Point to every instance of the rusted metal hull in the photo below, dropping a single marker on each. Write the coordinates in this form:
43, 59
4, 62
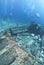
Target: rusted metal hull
13, 53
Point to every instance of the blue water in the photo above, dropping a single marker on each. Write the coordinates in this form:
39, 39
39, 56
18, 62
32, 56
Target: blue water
22, 11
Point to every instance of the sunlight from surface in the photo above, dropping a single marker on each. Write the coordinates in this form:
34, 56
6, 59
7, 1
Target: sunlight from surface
26, 10
42, 3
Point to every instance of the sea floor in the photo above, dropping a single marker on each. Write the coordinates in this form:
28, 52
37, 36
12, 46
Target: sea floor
18, 46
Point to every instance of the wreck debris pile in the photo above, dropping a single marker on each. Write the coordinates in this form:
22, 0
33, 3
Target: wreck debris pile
22, 45
36, 29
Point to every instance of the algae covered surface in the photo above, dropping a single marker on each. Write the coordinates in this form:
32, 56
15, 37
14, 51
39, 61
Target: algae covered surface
21, 32
21, 44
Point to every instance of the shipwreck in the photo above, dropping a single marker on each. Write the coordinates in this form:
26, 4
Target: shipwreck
23, 45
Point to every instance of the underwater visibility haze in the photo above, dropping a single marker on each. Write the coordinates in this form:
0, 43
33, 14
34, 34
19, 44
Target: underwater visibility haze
23, 11
21, 32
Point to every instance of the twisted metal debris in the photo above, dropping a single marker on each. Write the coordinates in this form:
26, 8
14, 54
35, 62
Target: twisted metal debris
13, 53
